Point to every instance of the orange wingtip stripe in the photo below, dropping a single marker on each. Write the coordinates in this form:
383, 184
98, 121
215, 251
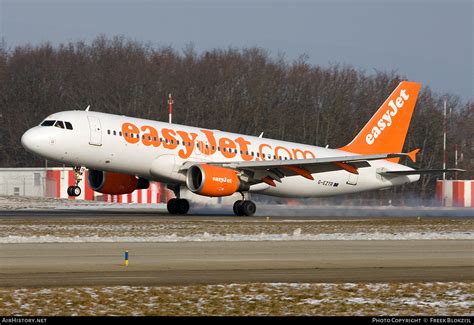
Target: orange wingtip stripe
300, 171
351, 169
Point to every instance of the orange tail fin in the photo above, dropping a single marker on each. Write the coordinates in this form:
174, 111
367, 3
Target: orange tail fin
387, 129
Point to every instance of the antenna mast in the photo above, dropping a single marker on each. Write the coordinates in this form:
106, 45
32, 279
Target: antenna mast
444, 139
170, 114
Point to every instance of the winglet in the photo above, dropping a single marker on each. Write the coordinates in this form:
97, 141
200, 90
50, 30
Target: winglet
412, 154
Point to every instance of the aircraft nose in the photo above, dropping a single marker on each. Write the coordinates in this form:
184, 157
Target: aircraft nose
29, 140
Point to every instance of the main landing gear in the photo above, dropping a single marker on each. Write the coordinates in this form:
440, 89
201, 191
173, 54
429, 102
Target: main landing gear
244, 207
75, 190
177, 205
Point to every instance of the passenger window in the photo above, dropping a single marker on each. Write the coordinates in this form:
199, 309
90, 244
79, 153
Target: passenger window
68, 125
48, 123
120, 133
108, 131
115, 133
59, 124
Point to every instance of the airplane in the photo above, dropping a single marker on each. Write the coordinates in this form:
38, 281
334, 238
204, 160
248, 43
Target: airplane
125, 153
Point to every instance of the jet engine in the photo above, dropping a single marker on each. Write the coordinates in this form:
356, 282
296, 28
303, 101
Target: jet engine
115, 183
213, 181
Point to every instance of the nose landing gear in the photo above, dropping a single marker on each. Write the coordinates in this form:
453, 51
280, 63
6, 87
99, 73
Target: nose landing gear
75, 190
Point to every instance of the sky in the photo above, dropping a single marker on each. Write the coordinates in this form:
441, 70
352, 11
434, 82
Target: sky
428, 41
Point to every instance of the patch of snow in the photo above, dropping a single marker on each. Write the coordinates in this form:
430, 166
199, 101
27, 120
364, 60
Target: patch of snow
312, 301
363, 301
206, 237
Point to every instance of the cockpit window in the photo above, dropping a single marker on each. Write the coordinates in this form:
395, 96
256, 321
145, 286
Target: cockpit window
48, 123
59, 124
68, 125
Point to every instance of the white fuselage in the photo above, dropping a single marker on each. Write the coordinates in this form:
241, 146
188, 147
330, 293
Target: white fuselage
99, 141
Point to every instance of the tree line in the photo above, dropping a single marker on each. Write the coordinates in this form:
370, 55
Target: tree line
246, 90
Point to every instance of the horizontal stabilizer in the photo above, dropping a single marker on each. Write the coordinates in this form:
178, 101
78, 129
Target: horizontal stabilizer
421, 171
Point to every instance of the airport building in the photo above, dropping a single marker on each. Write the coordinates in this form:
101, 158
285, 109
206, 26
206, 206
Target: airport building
22, 181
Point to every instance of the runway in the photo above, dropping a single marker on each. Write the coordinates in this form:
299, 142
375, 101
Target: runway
79, 264
199, 212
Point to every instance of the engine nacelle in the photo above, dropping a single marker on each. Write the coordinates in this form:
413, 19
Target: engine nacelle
115, 183
213, 181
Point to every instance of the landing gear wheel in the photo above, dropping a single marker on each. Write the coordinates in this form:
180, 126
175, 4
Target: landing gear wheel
183, 206
237, 208
248, 208
172, 206
74, 191
244, 208
178, 206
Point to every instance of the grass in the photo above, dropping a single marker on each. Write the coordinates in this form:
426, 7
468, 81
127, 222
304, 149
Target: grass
452, 298
152, 227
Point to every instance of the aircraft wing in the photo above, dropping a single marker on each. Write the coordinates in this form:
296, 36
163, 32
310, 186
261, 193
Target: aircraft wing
268, 171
